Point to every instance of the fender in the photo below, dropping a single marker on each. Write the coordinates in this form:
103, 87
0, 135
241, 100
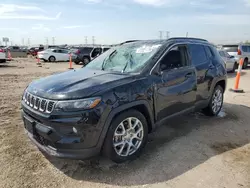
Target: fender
119, 109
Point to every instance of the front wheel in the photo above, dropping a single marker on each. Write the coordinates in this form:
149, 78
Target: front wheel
216, 102
126, 136
85, 61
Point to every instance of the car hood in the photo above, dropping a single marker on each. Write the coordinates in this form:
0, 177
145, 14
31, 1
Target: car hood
76, 84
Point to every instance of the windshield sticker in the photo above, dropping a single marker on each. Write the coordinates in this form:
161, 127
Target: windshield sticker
147, 49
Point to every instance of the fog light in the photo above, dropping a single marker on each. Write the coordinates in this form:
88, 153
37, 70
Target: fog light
74, 130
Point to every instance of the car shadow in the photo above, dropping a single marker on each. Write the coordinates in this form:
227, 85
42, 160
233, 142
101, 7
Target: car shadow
7, 66
233, 75
176, 147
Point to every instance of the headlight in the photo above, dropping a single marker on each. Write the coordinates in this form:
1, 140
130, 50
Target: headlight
76, 105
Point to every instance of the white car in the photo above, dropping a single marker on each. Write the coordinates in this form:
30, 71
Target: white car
231, 62
2, 56
53, 55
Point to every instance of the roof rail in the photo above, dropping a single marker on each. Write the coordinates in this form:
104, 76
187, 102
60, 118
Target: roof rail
176, 38
128, 41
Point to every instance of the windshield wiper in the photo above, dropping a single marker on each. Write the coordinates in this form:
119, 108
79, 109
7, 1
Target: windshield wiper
129, 61
103, 63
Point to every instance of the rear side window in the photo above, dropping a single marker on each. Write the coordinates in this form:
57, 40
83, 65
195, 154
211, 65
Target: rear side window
198, 54
244, 48
230, 48
208, 51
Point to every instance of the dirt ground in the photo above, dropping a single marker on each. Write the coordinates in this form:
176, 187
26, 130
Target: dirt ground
193, 151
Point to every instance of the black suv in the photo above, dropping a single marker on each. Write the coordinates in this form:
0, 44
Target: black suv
86, 54
110, 106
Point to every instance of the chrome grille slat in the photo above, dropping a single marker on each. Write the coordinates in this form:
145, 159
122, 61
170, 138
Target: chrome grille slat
38, 103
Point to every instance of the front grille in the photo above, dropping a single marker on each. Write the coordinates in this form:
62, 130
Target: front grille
38, 103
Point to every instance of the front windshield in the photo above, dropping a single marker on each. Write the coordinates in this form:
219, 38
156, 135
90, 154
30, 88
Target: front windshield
130, 57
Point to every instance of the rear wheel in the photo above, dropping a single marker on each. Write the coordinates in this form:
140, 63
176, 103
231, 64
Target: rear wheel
85, 61
216, 102
234, 68
52, 59
126, 136
245, 64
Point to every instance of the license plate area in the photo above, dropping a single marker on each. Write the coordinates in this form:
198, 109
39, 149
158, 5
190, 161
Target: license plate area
29, 125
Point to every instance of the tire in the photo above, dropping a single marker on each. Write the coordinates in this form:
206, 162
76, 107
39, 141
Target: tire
211, 110
52, 59
77, 62
127, 152
234, 68
245, 64
85, 61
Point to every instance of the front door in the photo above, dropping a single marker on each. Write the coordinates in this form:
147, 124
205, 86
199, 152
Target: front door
176, 92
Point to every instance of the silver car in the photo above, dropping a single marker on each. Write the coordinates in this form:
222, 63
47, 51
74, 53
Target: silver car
231, 62
239, 51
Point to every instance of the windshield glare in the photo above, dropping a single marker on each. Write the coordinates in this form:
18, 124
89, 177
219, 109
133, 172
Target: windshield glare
130, 57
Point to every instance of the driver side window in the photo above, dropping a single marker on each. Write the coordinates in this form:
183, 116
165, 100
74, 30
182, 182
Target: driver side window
175, 58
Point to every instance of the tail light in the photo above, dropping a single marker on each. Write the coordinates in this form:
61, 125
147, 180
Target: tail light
239, 52
1, 50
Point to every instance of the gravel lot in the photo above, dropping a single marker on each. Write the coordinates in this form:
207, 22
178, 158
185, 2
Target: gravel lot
193, 151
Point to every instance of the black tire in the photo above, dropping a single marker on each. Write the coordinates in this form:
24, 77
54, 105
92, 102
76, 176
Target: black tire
245, 64
235, 67
85, 61
209, 109
108, 149
77, 62
52, 59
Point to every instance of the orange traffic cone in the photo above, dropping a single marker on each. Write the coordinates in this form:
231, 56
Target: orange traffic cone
70, 61
9, 55
237, 81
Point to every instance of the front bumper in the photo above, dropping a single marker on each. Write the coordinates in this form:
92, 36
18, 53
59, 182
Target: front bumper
54, 134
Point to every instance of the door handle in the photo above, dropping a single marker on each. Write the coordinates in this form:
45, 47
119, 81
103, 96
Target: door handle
188, 75
211, 66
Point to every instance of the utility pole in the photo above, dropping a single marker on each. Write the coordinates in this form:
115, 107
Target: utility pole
187, 34
46, 41
28, 41
86, 40
160, 35
93, 40
167, 34
23, 41
53, 40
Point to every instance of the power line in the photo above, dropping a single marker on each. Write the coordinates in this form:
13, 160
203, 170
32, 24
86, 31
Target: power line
93, 40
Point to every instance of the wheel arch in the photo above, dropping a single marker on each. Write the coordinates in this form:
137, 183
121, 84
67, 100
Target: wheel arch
141, 106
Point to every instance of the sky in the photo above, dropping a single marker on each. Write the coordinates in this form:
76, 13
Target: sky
113, 21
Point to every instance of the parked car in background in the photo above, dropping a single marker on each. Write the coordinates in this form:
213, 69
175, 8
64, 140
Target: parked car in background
239, 51
34, 50
231, 62
111, 105
87, 54
2, 56
53, 55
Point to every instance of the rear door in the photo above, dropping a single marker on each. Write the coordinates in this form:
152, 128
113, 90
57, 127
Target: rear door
201, 59
176, 92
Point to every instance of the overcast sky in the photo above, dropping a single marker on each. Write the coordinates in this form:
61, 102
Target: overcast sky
112, 21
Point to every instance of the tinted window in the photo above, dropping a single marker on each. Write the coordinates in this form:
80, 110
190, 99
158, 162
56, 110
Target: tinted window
198, 54
208, 51
244, 48
230, 48
105, 49
86, 50
248, 49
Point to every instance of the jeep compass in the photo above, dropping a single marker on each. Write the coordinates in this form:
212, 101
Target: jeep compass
111, 105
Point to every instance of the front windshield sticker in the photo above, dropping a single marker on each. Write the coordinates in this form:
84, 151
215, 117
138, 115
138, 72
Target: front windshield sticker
147, 49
